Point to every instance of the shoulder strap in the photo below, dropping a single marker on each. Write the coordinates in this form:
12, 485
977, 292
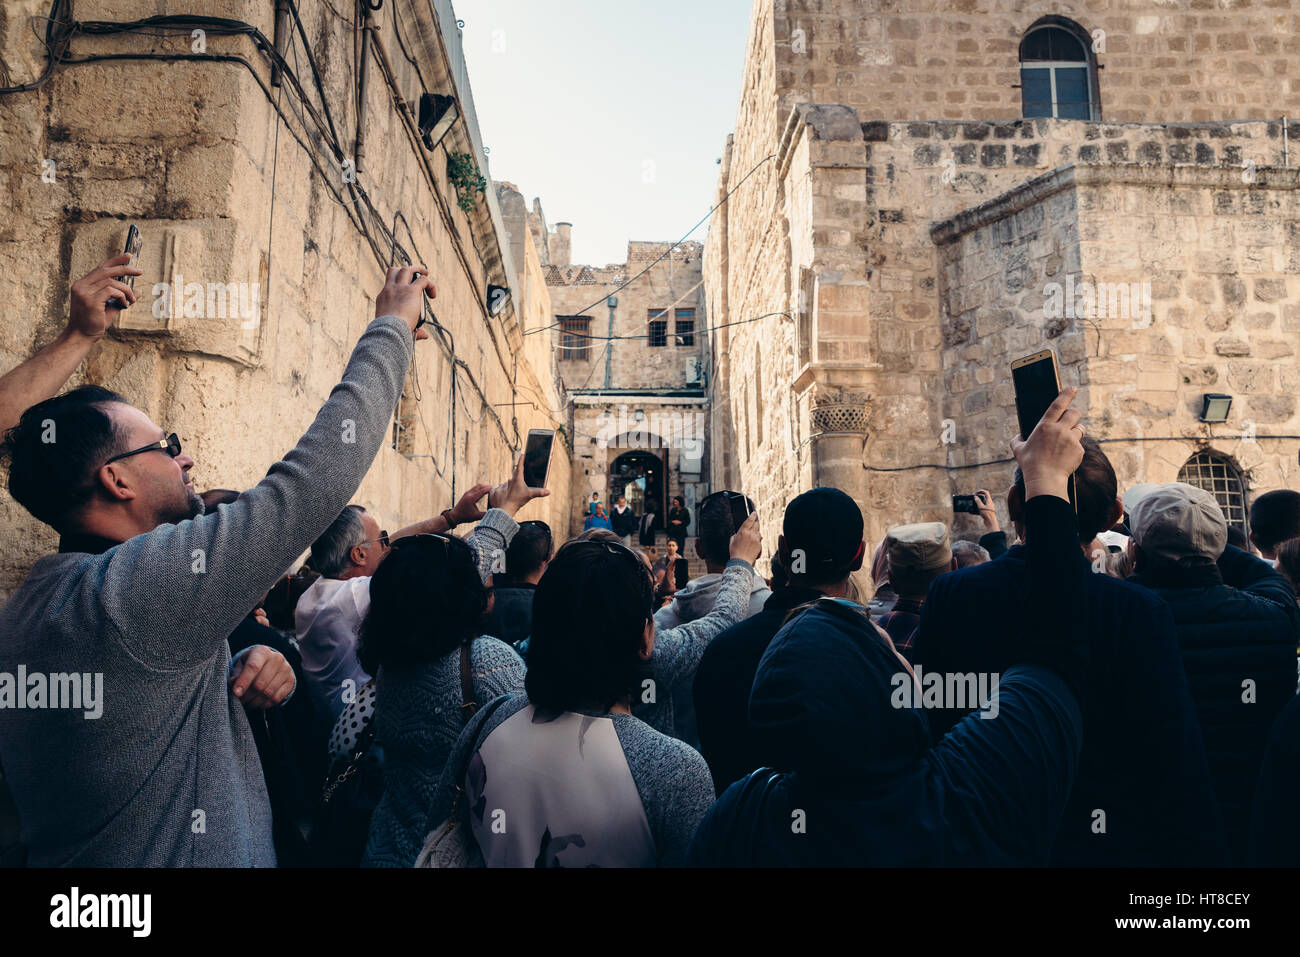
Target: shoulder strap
468, 704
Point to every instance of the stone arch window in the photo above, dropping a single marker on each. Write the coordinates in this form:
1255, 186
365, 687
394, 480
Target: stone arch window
1058, 71
1220, 477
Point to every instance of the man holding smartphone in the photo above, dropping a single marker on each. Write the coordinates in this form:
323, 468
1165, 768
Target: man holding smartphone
168, 774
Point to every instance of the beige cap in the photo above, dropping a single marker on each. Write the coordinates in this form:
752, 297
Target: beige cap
920, 547
1177, 521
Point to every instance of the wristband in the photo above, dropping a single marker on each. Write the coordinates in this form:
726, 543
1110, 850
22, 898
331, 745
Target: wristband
446, 517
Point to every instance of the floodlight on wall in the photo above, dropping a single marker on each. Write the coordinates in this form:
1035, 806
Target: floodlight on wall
497, 297
1215, 407
437, 114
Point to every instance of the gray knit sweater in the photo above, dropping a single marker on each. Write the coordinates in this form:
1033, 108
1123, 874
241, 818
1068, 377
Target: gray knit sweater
418, 718
677, 651
671, 778
169, 775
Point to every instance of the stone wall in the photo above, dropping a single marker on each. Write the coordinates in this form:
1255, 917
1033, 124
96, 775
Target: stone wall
188, 150
959, 59
671, 283
1221, 270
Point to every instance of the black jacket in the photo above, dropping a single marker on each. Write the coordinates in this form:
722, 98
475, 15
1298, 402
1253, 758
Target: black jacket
1275, 826
623, 523
511, 619
1238, 627
865, 785
1143, 763
723, 683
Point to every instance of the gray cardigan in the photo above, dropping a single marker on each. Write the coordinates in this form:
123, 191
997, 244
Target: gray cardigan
673, 781
417, 719
169, 775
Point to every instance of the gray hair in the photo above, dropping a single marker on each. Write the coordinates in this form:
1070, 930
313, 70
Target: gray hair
330, 552
968, 553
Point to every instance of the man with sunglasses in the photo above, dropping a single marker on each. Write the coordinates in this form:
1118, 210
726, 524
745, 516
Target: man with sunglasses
144, 591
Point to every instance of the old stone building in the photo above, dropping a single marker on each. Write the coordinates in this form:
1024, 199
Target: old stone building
286, 187
630, 347
918, 193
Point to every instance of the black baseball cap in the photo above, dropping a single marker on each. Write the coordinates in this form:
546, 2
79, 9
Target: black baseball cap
826, 525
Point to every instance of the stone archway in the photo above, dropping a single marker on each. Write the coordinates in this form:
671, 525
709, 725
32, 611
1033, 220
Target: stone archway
642, 476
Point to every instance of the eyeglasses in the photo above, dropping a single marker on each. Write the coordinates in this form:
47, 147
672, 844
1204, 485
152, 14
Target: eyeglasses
382, 539
171, 445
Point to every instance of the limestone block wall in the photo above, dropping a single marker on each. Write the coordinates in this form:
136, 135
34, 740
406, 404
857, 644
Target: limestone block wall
959, 59
195, 171
855, 262
1216, 255
675, 282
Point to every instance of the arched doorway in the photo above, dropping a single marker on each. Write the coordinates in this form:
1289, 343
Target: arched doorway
640, 477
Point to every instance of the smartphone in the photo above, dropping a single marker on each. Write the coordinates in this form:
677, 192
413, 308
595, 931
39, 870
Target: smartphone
965, 503
740, 510
133, 243
537, 457
1037, 382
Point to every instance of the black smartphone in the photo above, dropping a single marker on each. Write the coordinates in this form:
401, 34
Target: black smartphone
965, 503
537, 457
740, 510
133, 248
1037, 382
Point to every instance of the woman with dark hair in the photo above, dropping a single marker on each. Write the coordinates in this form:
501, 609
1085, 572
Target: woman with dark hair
679, 519
432, 673
565, 776
1288, 562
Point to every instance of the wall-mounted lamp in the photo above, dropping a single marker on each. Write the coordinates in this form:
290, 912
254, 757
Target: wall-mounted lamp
437, 114
497, 297
1215, 407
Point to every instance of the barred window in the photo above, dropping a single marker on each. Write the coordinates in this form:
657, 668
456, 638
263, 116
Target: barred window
575, 342
1220, 478
685, 330
658, 332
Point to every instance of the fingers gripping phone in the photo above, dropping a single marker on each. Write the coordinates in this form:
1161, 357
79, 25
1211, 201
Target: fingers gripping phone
1037, 382
537, 457
133, 243
740, 510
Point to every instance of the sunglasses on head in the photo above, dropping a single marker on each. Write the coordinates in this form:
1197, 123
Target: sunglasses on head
407, 540
171, 445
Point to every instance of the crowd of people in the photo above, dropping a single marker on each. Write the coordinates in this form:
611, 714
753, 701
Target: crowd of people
1116, 679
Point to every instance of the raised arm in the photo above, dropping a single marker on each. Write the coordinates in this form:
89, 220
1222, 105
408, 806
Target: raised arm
43, 375
176, 592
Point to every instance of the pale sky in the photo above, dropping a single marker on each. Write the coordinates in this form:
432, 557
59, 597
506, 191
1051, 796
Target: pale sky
613, 112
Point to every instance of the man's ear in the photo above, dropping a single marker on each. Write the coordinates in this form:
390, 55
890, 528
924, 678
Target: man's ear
357, 554
647, 641
699, 550
114, 482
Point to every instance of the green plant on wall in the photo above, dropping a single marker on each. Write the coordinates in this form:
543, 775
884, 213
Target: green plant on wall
465, 176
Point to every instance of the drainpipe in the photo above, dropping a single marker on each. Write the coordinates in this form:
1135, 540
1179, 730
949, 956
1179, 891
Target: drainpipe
612, 302
281, 37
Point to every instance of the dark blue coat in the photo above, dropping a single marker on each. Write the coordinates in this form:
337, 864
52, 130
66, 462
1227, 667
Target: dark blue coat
1143, 763
1237, 626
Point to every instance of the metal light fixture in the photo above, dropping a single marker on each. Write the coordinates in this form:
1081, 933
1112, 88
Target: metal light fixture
437, 114
1215, 407
497, 297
